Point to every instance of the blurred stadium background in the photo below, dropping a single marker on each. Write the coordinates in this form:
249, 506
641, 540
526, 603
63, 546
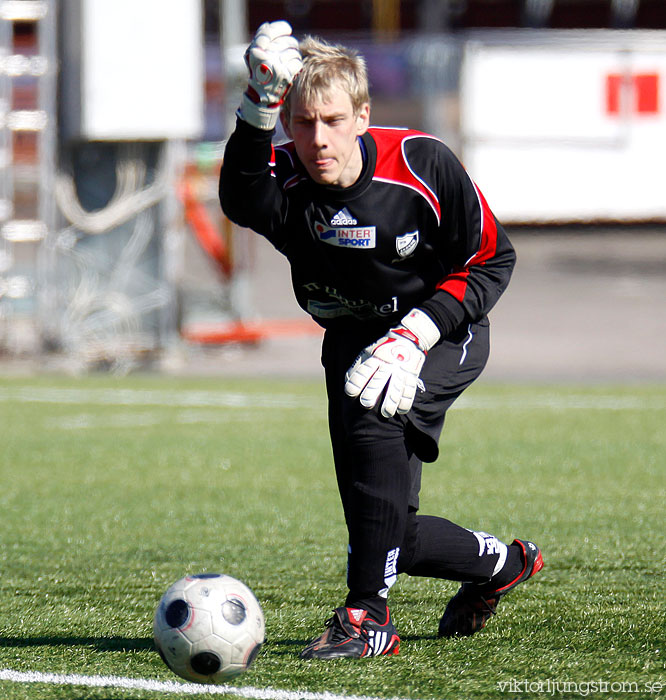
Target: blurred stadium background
114, 254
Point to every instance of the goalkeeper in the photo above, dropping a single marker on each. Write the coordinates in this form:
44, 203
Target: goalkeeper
395, 252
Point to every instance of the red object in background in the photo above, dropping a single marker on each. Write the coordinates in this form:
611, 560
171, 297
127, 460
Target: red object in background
204, 228
640, 90
249, 332
646, 89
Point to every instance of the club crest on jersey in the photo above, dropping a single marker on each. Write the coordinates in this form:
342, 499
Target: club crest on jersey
347, 236
406, 244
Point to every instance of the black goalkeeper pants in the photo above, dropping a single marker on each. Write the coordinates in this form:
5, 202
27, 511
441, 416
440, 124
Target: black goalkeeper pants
378, 465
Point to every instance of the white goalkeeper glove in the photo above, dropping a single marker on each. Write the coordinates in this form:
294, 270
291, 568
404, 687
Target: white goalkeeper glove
273, 60
394, 362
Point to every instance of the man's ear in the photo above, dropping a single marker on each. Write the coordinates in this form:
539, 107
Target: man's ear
363, 119
285, 124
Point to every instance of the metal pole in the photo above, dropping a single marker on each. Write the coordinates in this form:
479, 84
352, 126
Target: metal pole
386, 18
233, 34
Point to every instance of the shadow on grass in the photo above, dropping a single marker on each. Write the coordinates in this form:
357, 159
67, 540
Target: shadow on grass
99, 643
289, 647
278, 647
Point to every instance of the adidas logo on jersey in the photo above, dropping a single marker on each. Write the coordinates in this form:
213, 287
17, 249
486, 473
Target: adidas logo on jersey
343, 218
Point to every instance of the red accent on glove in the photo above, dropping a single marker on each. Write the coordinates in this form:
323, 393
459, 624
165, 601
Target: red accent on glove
406, 333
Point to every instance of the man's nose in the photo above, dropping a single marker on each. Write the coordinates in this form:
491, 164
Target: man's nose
319, 133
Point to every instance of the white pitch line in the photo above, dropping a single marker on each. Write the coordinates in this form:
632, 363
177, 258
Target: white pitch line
85, 421
151, 397
226, 399
118, 682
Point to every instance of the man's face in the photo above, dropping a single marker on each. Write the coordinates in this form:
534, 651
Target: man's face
325, 136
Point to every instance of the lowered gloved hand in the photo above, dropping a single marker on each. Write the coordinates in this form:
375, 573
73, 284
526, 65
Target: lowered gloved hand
273, 60
393, 363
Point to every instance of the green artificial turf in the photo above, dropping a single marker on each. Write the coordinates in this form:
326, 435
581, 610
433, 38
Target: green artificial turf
113, 488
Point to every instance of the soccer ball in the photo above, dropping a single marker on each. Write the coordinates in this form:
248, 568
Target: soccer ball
208, 628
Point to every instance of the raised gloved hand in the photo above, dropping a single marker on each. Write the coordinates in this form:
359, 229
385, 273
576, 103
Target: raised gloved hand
393, 363
273, 60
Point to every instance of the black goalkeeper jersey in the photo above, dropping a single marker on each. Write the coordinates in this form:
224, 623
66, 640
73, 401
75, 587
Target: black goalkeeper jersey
413, 231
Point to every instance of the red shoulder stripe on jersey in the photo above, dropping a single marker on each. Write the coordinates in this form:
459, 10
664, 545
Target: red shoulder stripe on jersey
456, 283
393, 166
488, 244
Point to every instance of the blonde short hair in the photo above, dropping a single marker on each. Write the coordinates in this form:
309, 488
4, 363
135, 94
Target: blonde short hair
326, 66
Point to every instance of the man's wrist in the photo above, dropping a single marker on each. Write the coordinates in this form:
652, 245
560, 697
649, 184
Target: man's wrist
422, 327
258, 115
